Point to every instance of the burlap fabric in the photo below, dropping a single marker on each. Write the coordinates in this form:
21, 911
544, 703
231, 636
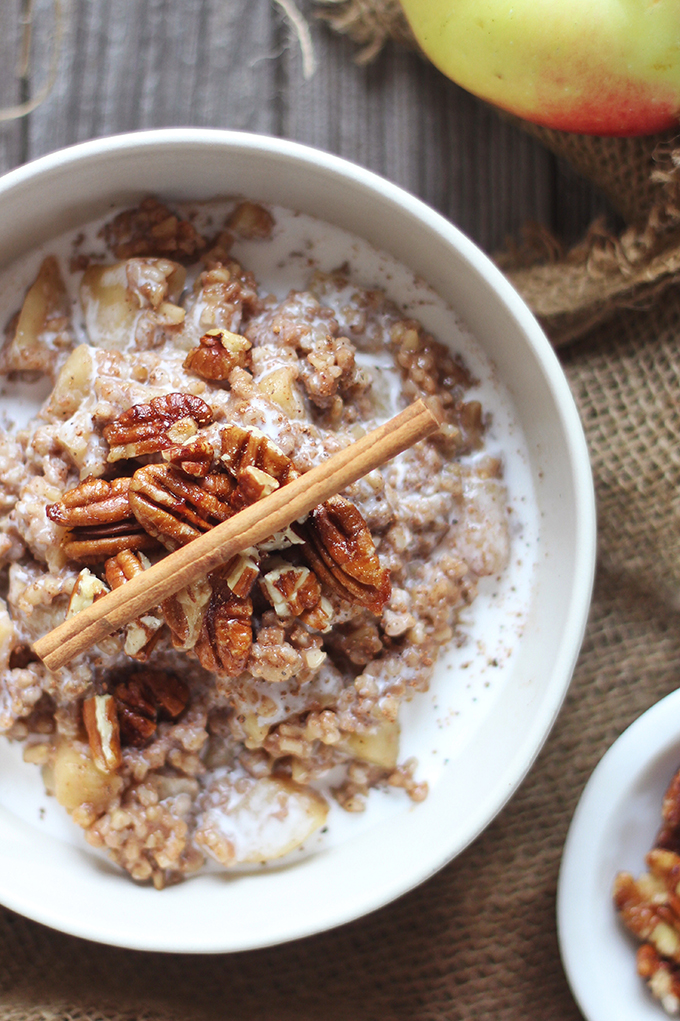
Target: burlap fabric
478, 940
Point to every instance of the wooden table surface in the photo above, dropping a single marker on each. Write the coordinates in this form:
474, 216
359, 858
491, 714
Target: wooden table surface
125, 65
130, 64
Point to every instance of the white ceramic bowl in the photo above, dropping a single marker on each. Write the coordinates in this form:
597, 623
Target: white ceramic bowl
614, 826
57, 880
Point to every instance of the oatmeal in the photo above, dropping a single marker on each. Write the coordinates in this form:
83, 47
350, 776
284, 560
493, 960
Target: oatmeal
221, 725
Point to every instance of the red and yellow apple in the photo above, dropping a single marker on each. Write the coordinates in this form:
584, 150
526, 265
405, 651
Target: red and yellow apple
605, 67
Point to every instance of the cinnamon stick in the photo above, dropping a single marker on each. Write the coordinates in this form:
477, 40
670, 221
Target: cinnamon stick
252, 525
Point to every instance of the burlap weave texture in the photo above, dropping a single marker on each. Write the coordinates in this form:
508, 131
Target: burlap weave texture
478, 940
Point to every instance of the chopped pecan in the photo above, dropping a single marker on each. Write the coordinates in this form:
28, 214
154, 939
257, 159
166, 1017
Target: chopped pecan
152, 229
194, 458
87, 589
340, 551
291, 590
251, 220
218, 352
144, 698
243, 448
142, 634
253, 485
661, 975
175, 509
226, 634
320, 616
184, 613
150, 428
101, 723
241, 572
137, 713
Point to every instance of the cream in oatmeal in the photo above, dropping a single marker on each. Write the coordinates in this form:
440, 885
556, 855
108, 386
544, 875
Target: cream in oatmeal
182, 388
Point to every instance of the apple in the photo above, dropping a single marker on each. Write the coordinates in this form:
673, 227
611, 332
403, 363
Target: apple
601, 67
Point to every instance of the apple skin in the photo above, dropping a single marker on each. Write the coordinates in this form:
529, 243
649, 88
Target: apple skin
600, 67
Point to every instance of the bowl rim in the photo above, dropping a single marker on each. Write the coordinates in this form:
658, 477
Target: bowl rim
597, 951
574, 439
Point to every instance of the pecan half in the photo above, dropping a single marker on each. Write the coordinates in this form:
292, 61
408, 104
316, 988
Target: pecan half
340, 550
100, 521
137, 713
226, 634
150, 428
145, 697
142, 634
92, 502
101, 723
97, 544
218, 352
175, 509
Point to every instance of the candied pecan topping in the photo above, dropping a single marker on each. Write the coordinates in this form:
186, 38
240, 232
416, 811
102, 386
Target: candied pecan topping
218, 352
152, 229
92, 502
175, 509
244, 448
240, 573
650, 906
97, 544
291, 590
87, 589
668, 836
340, 550
226, 634
100, 521
184, 613
143, 699
662, 977
253, 485
194, 458
150, 428
142, 634
101, 723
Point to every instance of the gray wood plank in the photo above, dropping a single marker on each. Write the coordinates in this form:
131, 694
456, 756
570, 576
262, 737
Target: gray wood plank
130, 64
152, 63
12, 88
403, 119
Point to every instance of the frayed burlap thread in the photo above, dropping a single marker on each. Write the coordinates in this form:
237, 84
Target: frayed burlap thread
368, 23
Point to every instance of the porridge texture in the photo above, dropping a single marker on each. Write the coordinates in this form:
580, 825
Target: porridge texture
221, 724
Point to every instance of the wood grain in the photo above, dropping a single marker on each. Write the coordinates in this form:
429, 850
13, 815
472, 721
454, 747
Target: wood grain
131, 64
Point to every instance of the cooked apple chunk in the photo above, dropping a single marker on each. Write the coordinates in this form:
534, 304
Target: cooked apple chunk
125, 302
249, 821
43, 327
